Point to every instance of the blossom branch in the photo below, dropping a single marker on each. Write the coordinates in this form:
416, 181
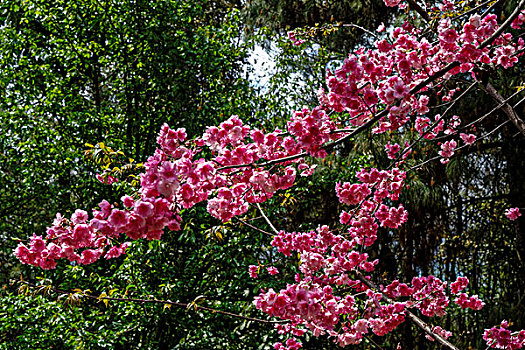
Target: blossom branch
504, 26
419, 322
481, 46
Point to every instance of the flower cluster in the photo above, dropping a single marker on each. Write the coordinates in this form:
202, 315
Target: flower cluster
519, 21
501, 338
439, 331
311, 130
469, 139
106, 178
460, 284
513, 213
176, 178
295, 41
473, 302
376, 186
326, 263
84, 241
447, 151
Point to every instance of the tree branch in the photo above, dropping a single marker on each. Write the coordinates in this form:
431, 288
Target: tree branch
253, 227
384, 112
413, 4
154, 301
509, 111
266, 219
419, 322
425, 327
504, 26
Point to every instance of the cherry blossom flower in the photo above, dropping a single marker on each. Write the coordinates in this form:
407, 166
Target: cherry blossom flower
513, 213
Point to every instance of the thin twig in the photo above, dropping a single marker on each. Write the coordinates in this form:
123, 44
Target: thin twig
253, 227
358, 27
373, 342
466, 13
266, 219
407, 149
156, 301
459, 148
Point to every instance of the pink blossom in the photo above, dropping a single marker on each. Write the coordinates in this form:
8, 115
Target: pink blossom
391, 150
79, 217
518, 21
502, 338
89, 256
116, 251
105, 208
23, 254
513, 213
448, 36
447, 150
460, 284
118, 218
468, 139
106, 178
144, 209
254, 271
82, 235
472, 302
272, 270
352, 194
37, 244
128, 201
383, 46
392, 3
439, 331
295, 41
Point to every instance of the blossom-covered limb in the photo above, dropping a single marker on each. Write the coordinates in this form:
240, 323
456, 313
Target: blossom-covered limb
417, 321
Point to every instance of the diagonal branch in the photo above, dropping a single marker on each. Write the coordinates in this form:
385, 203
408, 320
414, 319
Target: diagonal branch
414, 5
254, 227
509, 111
504, 26
267, 220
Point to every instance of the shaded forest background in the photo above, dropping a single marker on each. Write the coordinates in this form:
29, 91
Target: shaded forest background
77, 72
